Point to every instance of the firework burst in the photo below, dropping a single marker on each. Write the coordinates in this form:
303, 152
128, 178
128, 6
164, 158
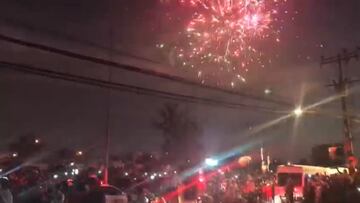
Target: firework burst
222, 37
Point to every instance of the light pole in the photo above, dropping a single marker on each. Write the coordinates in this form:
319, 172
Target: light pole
108, 110
107, 135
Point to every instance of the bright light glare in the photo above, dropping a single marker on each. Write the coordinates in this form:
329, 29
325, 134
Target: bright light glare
298, 111
211, 162
267, 91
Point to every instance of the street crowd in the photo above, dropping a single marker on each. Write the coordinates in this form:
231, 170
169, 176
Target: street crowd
143, 184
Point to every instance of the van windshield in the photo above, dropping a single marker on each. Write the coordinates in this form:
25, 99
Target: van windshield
283, 178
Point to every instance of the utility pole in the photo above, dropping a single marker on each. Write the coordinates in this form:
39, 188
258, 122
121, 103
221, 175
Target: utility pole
107, 133
341, 86
109, 96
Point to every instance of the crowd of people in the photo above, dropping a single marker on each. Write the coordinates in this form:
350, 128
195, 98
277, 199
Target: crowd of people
146, 179
241, 186
37, 186
332, 189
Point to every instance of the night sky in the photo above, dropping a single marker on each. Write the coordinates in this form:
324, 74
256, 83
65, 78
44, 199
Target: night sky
68, 114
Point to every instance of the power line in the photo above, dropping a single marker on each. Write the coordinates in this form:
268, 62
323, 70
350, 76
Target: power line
122, 87
71, 38
67, 37
133, 68
129, 88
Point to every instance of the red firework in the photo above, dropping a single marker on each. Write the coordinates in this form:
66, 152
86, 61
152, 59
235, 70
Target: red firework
224, 34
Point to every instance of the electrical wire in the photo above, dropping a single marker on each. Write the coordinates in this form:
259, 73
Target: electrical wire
130, 88
133, 69
81, 41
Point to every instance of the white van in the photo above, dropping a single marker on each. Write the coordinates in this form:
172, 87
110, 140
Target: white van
298, 175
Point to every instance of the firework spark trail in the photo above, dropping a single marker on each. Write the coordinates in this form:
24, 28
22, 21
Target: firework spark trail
225, 33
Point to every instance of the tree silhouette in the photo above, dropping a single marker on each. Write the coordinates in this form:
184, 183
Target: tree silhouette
180, 133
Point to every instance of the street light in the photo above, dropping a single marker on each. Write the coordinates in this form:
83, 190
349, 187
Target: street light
211, 162
267, 91
37, 141
79, 153
298, 111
